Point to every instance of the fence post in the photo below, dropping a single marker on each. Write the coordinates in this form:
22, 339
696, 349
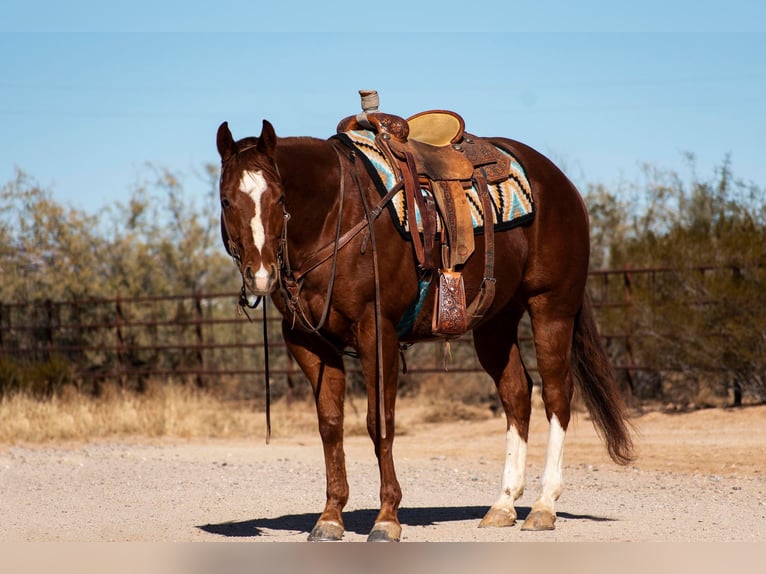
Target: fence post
198, 331
628, 297
118, 321
48, 328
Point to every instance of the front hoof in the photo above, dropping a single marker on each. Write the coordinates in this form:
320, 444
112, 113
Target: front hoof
540, 520
326, 531
385, 532
498, 517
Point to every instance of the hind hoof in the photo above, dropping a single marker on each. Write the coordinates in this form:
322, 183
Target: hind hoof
539, 520
498, 518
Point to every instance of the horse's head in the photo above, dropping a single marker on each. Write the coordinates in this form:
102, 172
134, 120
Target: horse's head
252, 215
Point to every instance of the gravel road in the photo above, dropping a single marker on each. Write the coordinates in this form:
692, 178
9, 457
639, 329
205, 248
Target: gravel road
700, 477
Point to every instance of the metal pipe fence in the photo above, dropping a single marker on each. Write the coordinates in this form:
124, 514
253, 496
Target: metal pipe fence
201, 337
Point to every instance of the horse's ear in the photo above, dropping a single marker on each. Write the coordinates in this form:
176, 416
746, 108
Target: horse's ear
267, 141
225, 142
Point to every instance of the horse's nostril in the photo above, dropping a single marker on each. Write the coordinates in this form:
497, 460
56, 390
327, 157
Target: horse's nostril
249, 274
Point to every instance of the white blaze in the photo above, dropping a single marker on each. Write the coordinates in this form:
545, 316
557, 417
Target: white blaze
254, 184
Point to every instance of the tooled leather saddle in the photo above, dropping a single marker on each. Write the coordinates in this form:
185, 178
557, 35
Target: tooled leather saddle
431, 151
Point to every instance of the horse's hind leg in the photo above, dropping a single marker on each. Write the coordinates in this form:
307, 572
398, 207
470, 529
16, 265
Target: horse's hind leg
324, 369
497, 347
552, 326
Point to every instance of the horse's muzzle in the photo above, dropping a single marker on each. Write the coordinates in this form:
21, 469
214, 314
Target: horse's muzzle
262, 282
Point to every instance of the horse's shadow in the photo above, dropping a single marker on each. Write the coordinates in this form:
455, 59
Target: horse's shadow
361, 521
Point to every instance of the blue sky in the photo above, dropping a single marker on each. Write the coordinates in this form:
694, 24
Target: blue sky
91, 91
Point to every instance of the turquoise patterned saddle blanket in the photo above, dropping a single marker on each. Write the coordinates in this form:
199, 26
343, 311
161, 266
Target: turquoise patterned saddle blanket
511, 198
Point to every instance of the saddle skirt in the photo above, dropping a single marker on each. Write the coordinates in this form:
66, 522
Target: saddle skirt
511, 197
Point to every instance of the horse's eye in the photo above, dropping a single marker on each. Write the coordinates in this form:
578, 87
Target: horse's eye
225, 203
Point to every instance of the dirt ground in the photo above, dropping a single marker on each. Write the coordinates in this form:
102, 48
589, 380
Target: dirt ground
700, 476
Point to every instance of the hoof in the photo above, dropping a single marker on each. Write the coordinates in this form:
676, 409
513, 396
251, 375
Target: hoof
385, 532
326, 531
498, 517
539, 520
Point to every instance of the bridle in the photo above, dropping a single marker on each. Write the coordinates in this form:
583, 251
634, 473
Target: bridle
244, 302
291, 280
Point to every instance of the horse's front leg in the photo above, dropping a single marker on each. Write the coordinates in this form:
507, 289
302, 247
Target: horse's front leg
324, 368
386, 527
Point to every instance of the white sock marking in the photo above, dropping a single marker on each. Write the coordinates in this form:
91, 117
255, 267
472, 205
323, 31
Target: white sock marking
554, 461
513, 470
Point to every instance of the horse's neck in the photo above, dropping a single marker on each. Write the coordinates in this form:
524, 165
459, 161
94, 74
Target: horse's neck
310, 175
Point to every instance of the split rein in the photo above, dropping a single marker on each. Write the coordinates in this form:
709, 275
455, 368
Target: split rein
244, 305
290, 282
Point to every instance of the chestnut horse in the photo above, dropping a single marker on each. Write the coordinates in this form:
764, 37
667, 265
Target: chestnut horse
286, 203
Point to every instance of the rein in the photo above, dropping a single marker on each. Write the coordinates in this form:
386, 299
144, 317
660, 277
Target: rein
331, 249
378, 319
244, 305
291, 280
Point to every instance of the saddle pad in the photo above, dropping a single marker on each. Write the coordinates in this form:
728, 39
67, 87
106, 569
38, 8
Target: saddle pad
511, 198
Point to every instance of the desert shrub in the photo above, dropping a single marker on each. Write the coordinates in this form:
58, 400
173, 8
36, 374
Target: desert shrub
698, 318
10, 375
40, 379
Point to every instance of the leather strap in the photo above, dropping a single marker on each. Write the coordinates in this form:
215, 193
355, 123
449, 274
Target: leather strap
291, 283
424, 247
411, 191
486, 294
380, 372
324, 253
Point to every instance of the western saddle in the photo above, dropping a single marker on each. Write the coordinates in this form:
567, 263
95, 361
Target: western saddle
431, 151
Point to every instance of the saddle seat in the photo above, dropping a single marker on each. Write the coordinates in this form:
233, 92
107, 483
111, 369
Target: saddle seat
437, 127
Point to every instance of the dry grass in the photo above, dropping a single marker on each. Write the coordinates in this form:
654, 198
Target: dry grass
167, 411
174, 411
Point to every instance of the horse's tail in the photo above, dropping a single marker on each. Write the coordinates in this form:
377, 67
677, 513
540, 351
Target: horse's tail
594, 378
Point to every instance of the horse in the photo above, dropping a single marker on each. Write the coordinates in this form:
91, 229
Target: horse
304, 225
